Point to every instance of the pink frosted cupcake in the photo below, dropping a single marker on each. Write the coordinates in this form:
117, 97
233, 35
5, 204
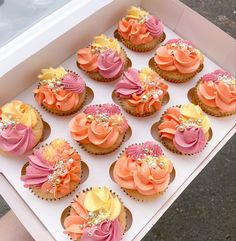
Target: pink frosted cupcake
103, 60
177, 61
139, 30
216, 93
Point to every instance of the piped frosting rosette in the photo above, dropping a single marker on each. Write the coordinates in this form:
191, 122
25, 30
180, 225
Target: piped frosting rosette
178, 60
141, 92
96, 214
103, 59
53, 171
60, 91
216, 93
184, 129
21, 128
99, 129
143, 171
139, 30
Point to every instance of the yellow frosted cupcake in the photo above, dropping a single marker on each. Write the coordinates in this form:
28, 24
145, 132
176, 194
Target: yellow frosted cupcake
139, 30
95, 214
53, 171
21, 128
103, 60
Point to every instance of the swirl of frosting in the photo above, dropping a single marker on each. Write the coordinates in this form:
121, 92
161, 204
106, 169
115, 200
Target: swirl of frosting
73, 82
135, 32
53, 175
190, 141
51, 73
105, 231
23, 114
63, 100
154, 26
17, 139
98, 125
148, 174
136, 13
178, 55
87, 60
129, 84
110, 65
218, 89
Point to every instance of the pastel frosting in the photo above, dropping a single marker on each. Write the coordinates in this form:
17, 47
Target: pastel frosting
21, 128
59, 89
187, 127
143, 168
53, 174
178, 55
100, 125
144, 89
139, 27
218, 90
104, 56
94, 216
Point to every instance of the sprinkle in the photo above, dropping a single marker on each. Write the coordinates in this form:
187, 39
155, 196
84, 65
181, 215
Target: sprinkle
144, 98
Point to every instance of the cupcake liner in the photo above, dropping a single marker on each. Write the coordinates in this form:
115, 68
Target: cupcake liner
123, 218
207, 109
134, 194
169, 143
48, 196
96, 76
173, 76
142, 47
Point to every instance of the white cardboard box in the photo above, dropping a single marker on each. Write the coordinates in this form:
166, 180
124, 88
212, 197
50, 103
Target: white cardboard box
54, 41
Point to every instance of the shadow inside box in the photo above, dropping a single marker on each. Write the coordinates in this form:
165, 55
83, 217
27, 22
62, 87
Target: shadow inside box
4, 208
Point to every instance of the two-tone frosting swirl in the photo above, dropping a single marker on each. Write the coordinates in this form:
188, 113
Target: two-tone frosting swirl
218, 90
95, 216
187, 127
98, 125
21, 128
139, 27
178, 55
143, 168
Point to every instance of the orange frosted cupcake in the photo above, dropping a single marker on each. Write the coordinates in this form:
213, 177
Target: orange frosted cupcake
141, 93
95, 214
177, 61
53, 171
21, 128
99, 129
103, 60
60, 91
184, 129
139, 30
216, 93
143, 171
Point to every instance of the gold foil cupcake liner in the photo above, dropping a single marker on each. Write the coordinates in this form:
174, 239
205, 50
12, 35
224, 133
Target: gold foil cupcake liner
174, 77
125, 217
96, 76
142, 47
134, 194
84, 172
193, 97
169, 143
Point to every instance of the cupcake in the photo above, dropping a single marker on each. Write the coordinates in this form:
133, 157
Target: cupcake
103, 60
100, 129
21, 128
216, 93
139, 30
143, 171
177, 61
60, 91
53, 171
95, 214
141, 93
184, 129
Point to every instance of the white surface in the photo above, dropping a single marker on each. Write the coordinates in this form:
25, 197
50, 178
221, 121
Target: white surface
49, 212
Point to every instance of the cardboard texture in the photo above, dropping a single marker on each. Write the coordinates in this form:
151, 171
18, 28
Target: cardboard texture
177, 17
